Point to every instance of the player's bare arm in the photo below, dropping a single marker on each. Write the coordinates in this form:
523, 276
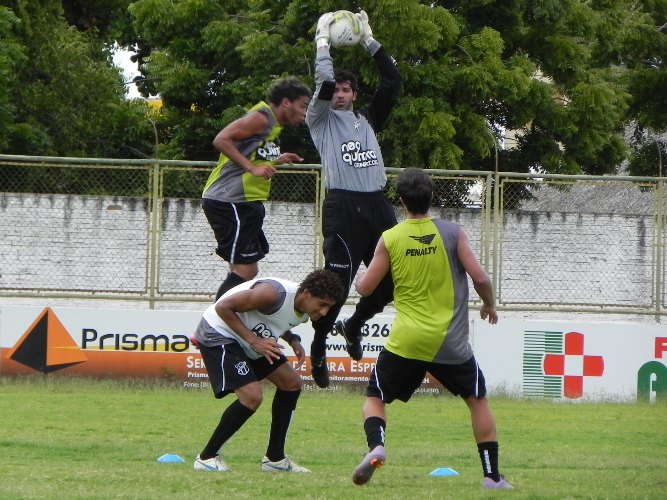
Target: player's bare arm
479, 277
243, 128
261, 296
295, 343
288, 158
378, 268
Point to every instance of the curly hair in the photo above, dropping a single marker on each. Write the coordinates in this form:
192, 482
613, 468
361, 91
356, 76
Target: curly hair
324, 284
290, 87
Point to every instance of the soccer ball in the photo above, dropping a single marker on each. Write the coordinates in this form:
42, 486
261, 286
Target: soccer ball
345, 30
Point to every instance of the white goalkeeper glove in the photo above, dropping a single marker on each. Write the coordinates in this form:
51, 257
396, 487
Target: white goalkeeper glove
322, 32
367, 40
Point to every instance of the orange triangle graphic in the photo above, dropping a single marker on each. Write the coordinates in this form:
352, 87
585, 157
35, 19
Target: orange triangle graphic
60, 348
46, 345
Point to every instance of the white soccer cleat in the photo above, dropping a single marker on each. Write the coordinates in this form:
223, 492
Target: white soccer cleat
211, 464
284, 465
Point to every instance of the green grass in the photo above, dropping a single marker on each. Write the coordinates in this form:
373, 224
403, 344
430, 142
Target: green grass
79, 438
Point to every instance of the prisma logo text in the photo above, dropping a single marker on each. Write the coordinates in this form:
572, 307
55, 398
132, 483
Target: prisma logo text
90, 339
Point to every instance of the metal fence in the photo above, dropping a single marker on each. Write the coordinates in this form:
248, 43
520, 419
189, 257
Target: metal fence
134, 230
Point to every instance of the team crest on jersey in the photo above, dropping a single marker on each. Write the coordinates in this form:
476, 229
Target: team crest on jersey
425, 240
242, 368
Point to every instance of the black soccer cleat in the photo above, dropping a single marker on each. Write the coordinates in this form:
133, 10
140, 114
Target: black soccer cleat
352, 342
319, 371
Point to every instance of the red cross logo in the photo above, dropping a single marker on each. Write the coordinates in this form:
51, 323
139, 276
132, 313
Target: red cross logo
573, 365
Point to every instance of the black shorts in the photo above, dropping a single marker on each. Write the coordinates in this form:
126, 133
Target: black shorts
396, 377
238, 230
352, 224
229, 368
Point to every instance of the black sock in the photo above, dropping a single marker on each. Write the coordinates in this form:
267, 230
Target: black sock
488, 453
318, 347
230, 282
373, 304
353, 327
374, 427
231, 421
284, 404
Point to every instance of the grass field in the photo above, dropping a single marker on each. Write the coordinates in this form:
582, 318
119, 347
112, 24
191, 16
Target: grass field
76, 438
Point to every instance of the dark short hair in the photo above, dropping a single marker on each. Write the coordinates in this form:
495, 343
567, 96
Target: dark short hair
324, 284
415, 187
343, 75
290, 87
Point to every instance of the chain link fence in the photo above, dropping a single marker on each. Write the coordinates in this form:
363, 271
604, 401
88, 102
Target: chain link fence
134, 230
186, 261
580, 241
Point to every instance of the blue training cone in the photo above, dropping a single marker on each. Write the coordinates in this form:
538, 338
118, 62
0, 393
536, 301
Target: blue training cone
170, 458
444, 471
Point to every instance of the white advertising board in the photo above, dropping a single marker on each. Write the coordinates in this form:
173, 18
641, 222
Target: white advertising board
572, 360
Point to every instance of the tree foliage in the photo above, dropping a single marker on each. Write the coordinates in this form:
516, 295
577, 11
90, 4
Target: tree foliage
562, 78
11, 55
60, 93
567, 75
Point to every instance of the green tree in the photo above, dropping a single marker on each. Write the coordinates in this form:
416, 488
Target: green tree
67, 98
11, 54
567, 75
647, 83
107, 18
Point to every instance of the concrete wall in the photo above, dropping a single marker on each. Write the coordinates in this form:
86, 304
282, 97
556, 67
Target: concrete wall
576, 258
60, 242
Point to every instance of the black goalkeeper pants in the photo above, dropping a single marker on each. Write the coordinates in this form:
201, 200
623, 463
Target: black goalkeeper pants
352, 224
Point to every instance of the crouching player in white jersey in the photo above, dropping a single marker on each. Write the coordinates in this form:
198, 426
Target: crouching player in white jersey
238, 339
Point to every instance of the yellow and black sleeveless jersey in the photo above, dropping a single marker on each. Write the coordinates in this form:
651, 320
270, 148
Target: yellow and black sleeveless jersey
430, 292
